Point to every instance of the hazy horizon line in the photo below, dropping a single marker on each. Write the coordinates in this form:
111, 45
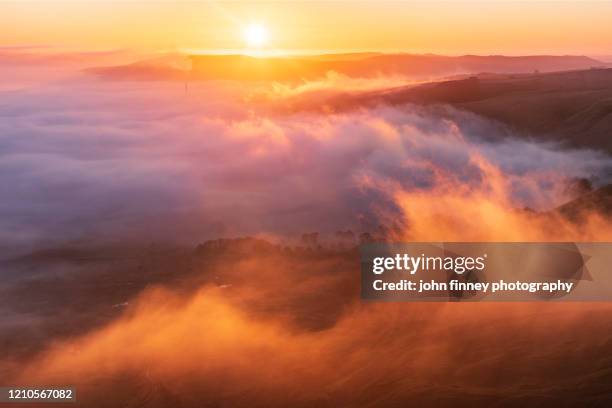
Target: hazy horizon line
57, 49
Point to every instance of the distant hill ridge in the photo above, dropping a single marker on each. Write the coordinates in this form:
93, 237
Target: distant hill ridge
295, 68
279, 68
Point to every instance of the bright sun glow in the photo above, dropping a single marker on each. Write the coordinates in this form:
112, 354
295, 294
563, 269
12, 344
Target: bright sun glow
255, 35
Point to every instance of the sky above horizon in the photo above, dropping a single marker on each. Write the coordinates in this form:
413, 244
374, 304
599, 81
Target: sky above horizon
451, 27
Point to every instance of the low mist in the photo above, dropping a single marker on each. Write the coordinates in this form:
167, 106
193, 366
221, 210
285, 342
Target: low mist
85, 159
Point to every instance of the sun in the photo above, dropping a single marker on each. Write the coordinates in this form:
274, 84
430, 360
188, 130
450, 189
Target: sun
255, 35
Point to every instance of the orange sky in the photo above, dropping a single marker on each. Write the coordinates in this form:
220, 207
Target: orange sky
451, 27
